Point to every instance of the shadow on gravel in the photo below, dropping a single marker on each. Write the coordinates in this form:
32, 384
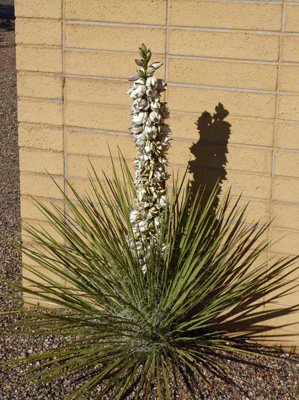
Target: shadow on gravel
7, 17
9, 162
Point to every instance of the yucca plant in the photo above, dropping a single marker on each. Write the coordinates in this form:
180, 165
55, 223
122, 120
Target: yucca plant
136, 321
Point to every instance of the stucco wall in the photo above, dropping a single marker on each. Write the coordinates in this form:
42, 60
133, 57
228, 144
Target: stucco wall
73, 61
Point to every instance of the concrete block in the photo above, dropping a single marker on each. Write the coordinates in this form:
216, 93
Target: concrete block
97, 116
40, 185
146, 12
40, 111
38, 8
234, 45
261, 105
223, 74
45, 86
39, 59
40, 137
103, 91
226, 15
114, 38
39, 32
96, 144
110, 65
41, 161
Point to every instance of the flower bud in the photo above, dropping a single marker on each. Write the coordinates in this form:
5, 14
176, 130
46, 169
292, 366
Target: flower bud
150, 70
156, 65
142, 50
134, 77
139, 62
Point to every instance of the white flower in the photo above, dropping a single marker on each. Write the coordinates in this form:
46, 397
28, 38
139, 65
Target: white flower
130, 91
148, 149
133, 216
141, 140
151, 92
163, 201
152, 82
141, 194
138, 92
142, 226
139, 104
155, 104
139, 81
155, 116
140, 118
157, 222
136, 129
151, 130
144, 268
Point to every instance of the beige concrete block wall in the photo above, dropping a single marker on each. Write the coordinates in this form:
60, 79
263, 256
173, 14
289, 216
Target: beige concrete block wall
73, 61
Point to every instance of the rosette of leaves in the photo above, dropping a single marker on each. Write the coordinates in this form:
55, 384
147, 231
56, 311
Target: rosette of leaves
152, 143
131, 332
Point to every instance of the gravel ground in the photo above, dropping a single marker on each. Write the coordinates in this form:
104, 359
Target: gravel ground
263, 380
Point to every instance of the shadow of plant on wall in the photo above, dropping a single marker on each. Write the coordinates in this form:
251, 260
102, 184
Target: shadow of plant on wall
208, 166
209, 171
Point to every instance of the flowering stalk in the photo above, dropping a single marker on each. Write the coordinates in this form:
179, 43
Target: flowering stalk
148, 115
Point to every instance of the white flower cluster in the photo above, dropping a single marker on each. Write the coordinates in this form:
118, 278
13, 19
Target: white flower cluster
148, 115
